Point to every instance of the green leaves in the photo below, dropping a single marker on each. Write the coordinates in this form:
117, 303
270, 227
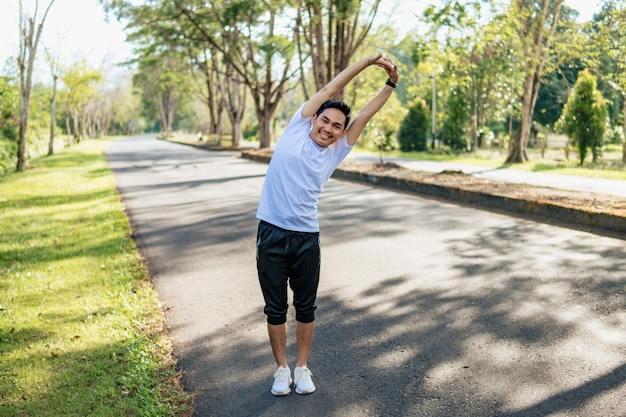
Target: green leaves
584, 117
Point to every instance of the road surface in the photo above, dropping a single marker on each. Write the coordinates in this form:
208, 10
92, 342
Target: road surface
425, 308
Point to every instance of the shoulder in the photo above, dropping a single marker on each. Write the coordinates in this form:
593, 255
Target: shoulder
299, 114
298, 121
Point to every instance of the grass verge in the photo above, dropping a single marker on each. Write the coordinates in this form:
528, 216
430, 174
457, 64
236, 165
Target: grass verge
81, 331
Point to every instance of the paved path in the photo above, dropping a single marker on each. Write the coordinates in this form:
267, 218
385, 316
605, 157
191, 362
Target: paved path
425, 308
565, 182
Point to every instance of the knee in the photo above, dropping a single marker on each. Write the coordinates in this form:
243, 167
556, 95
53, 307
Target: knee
275, 317
306, 315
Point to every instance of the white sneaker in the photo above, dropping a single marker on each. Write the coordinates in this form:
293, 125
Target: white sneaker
302, 380
282, 381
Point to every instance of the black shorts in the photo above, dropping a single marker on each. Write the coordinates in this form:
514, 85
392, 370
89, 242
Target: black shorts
286, 257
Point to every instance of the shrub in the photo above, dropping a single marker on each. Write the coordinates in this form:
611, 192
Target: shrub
584, 117
9, 102
415, 127
454, 129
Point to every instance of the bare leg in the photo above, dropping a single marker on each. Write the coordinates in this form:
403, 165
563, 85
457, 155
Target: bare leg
304, 337
278, 340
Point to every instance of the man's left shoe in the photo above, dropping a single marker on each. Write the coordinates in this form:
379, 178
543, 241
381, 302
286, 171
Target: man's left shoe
302, 380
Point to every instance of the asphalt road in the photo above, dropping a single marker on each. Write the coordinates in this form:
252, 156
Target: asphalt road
425, 308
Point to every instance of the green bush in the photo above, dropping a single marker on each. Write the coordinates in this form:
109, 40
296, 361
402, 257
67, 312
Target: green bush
454, 129
584, 117
9, 102
415, 127
250, 132
8, 152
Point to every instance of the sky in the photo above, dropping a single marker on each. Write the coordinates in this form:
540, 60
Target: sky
80, 29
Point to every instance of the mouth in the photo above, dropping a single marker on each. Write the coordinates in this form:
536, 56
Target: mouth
325, 136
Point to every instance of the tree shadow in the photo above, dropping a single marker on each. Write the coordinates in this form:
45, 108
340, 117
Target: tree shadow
496, 331
425, 308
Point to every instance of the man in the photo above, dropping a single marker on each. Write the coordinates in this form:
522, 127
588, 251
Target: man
316, 140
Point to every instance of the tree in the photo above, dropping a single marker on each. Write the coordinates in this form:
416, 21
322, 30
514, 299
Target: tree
162, 77
30, 33
415, 128
570, 54
553, 93
454, 128
236, 43
224, 90
255, 48
55, 72
333, 30
608, 31
536, 23
118, 106
476, 55
161, 28
80, 83
584, 117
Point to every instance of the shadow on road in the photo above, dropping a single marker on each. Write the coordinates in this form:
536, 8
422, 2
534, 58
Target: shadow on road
424, 308
503, 328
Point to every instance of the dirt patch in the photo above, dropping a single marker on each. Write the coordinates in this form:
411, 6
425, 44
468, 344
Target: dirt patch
596, 202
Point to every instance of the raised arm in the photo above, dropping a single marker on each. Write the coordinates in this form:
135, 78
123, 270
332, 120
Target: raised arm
336, 84
371, 108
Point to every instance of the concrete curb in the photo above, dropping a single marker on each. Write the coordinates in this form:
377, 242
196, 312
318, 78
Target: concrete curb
591, 221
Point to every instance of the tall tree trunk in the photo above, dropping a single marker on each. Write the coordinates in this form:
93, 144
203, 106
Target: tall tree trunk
68, 128
264, 131
624, 129
171, 112
474, 110
53, 115
517, 152
77, 129
265, 111
212, 86
29, 39
165, 113
236, 132
536, 31
22, 163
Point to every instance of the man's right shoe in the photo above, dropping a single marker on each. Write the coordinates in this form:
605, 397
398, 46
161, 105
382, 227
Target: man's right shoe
282, 381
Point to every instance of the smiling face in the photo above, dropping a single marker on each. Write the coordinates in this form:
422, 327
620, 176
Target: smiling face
328, 127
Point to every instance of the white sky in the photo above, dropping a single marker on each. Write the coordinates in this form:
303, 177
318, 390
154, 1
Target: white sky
79, 28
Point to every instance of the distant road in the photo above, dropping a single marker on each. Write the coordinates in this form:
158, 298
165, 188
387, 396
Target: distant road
425, 308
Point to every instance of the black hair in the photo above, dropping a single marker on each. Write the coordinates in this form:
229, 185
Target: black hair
336, 104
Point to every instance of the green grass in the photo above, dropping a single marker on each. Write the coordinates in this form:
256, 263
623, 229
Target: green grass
81, 331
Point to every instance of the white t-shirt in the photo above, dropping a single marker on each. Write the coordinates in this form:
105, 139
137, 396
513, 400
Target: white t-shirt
298, 170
